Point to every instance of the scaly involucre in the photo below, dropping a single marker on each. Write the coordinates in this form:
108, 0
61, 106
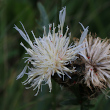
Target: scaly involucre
96, 56
49, 55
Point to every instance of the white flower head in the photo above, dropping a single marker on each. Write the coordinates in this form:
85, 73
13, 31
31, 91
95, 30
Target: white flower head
49, 55
96, 56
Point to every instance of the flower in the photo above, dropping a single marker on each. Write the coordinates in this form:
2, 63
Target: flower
49, 55
96, 57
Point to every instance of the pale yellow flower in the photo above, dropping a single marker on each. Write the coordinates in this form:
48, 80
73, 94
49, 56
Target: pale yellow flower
50, 54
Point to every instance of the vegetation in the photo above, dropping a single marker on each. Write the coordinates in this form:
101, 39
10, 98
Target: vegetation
34, 14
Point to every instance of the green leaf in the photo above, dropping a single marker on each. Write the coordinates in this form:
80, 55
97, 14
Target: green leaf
44, 16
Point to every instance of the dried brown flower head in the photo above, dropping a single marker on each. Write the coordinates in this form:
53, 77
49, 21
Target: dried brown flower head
96, 57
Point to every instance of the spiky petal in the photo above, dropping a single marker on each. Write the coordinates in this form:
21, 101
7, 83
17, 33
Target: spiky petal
49, 55
96, 56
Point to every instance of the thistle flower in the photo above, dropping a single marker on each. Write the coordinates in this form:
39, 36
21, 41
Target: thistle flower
96, 57
49, 55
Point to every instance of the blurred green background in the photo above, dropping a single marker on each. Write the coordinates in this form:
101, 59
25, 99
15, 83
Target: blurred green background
34, 14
